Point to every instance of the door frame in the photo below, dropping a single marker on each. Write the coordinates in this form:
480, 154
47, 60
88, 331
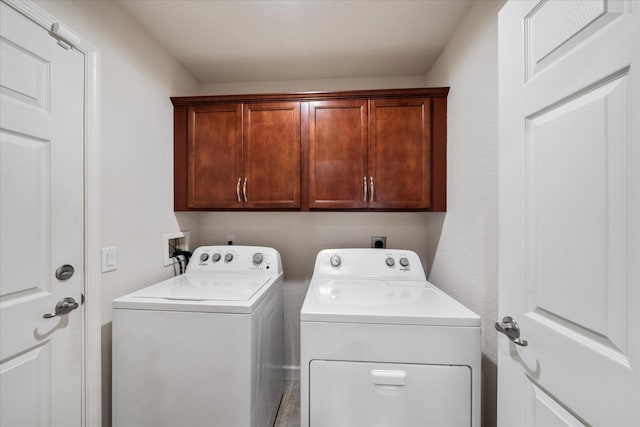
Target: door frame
92, 342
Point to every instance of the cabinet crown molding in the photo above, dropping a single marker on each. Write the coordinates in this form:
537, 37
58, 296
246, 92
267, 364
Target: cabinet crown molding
432, 92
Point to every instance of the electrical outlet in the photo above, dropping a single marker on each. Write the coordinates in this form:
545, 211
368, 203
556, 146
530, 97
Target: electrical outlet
379, 242
173, 241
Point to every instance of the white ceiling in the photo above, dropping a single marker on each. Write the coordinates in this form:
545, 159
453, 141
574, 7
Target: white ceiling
260, 40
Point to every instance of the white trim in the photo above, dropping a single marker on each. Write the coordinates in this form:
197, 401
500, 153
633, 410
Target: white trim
92, 357
291, 372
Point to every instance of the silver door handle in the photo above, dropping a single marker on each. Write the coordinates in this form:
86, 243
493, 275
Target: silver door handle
372, 189
365, 188
238, 189
244, 189
510, 328
64, 306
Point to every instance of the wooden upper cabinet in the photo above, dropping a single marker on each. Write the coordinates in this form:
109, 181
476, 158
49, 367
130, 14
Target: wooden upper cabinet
375, 149
337, 154
214, 149
243, 156
271, 148
400, 153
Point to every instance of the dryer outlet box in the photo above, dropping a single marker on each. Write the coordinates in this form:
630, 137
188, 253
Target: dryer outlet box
379, 242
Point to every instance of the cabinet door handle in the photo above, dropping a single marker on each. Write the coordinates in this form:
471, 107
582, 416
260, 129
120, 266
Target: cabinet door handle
365, 188
238, 189
372, 189
244, 189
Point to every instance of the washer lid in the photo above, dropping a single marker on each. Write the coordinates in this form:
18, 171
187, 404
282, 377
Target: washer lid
373, 301
195, 292
205, 288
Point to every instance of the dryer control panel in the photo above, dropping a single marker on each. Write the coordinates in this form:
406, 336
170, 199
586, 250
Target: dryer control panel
225, 259
380, 264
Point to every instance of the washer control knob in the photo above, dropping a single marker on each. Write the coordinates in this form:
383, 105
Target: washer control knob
228, 257
215, 257
335, 261
257, 258
404, 262
204, 257
390, 262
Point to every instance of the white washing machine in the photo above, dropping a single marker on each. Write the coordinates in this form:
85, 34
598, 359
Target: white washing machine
381, 346
203, 348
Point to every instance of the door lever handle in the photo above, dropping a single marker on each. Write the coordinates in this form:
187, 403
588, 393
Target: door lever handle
510, 328
64, 306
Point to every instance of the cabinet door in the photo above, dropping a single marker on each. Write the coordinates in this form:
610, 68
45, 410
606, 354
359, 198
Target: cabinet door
271, 148
337, 154
214, 147
400, 154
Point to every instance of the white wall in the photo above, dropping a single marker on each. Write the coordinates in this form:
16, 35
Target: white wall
136, 135
290, 86
466, 259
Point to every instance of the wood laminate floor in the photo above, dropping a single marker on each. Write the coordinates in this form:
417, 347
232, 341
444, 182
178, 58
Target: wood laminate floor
289, 412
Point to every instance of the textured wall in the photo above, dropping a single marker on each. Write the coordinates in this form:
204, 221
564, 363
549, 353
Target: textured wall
466, 259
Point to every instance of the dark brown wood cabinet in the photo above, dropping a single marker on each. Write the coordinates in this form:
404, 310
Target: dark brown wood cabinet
214, 150
241, 156
359, 150
271, 153
338, 154
400, 154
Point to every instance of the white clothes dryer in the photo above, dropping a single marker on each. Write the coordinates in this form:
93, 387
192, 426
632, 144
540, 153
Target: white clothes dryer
381, 346
202, 348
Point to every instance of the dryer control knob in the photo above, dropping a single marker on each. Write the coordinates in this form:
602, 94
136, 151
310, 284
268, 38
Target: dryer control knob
204, 257
390, 262
215, 257
335, 261
404, 262
228, 257
257, 258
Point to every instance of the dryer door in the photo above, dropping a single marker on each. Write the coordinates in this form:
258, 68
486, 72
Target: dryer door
389, 394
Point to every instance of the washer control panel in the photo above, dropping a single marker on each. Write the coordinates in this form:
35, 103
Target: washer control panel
382, 264
235, 259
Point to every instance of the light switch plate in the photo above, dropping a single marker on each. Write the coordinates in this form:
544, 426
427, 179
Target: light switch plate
109, 259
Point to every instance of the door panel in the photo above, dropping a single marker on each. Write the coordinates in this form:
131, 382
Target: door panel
575, 148
41, 223
214, 147
544, 411
572, 21
569, 213
337, 154
24, 385
29, 158
400, 154
271, 148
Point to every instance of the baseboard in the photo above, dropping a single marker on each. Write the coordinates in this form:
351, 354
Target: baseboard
291, 372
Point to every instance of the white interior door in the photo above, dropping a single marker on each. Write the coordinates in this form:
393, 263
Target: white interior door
570, 213
41, 221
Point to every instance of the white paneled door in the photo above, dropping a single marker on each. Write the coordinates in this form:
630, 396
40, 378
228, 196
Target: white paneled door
570, 213
41, 220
